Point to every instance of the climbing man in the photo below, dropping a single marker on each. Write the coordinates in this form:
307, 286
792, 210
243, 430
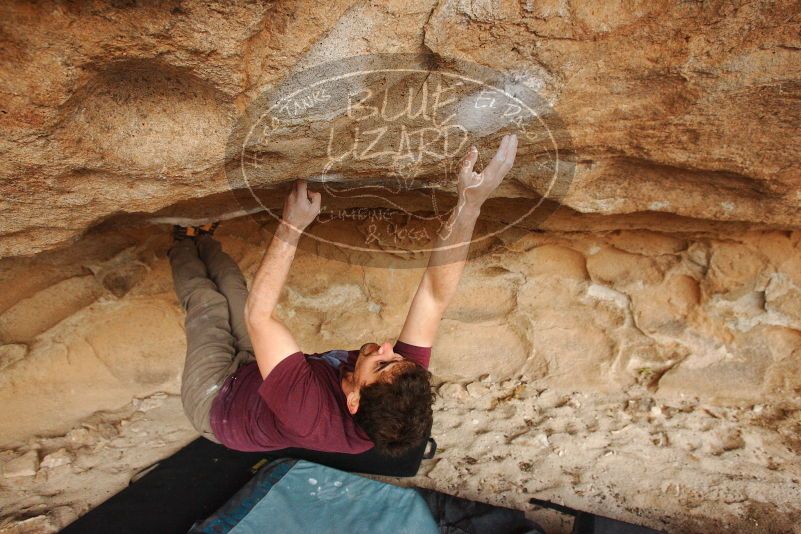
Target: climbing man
246, 383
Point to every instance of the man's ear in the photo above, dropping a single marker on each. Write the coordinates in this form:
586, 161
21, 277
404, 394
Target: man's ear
353, 402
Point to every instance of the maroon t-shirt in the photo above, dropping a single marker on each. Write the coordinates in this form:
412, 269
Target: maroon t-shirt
299, 404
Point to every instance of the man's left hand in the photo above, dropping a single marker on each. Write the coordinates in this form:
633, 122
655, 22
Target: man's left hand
474, 188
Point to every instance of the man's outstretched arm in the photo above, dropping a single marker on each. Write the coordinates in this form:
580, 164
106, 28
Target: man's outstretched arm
446, 263
272, 341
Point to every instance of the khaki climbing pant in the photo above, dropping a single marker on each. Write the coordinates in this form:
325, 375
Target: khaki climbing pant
212, 290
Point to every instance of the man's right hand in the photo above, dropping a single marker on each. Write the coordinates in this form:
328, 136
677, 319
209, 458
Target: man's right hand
301, 206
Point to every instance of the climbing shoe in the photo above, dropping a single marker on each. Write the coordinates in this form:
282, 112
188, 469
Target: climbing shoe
190, 232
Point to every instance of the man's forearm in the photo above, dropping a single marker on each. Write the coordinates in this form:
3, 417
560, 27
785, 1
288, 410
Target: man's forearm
447, 260
272, 273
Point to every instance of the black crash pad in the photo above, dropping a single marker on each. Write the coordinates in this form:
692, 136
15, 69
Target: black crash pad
171, 495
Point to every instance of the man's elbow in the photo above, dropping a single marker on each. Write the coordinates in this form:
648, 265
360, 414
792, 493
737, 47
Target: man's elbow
256, 314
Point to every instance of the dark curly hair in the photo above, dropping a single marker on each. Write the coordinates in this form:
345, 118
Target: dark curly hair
397, 414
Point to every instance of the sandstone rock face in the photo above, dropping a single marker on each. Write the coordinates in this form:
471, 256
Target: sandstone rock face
688, 109
669, 269
579, 312
552, 350
24, 466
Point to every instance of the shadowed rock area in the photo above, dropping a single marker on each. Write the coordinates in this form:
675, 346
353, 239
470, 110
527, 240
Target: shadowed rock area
634, 351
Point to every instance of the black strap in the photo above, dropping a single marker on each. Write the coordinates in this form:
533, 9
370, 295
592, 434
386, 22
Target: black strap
431, 449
